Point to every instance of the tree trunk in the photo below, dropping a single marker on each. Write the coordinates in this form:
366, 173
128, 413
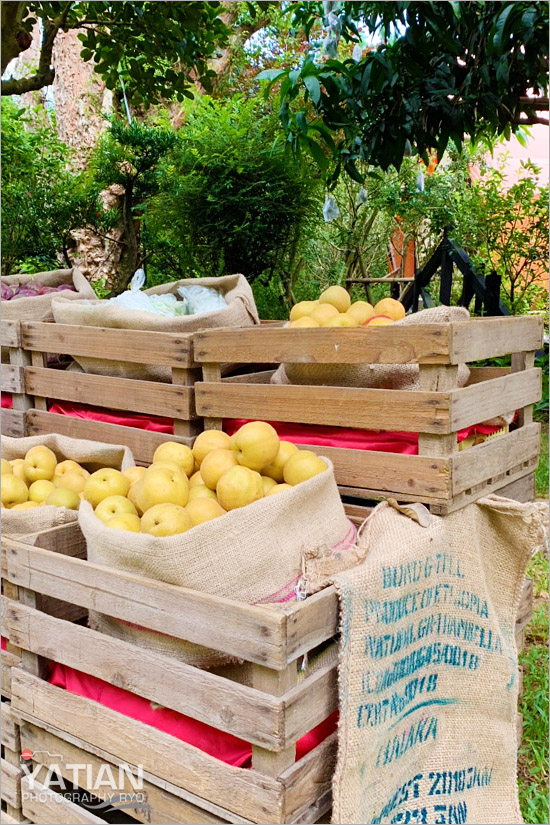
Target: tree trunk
14, 39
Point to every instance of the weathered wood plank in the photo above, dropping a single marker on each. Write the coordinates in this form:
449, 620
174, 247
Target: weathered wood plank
523, 489
480, 402
141, 442
50, 808
168, 349
9, 660
427, 344
10, 729
11, 378
255, 634
242, 711
492, 337
10, 783
336, 406
311, 622
498, 455
164, 807
149, 397
311, 702
13, 423
253, 795
11, 335
309, 778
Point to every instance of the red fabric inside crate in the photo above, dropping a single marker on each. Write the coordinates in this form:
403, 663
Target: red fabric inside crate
7, 402
387, 442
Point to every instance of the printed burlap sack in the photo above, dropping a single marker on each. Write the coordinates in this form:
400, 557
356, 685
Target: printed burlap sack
375, 376
240, 312
93, 455
428, 666
252, 555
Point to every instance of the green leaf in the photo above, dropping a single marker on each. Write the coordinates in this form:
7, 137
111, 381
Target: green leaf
270, 74
314, 88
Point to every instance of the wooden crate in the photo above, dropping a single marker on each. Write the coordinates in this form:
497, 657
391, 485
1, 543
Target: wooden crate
272, 708
13, 380
10, 768
440, 475
30, 344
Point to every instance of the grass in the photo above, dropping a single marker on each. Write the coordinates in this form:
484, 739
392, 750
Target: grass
541, 475
533, 754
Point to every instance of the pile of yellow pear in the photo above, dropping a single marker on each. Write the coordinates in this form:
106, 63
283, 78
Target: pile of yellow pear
335, 309
38, 480
185, 487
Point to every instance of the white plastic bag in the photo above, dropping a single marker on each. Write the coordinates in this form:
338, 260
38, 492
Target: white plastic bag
202, 299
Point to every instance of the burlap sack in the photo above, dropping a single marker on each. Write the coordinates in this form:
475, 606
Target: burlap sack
240, 312
93, 455
252, 555
428, 667
375, 376
39, 307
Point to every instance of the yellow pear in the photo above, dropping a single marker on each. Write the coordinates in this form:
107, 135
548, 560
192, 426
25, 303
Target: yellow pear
215, 464
114, 506
361, 311
134, 474
337, 297
165, 520
161, 487
268, 483
7, 469
279, 488
303, 465
302, 309
204, 509
341, 320
40, 462
390, 307
167, 465
40, 490
378, 321
125, 521
26, 505
63, 497
323, 312
13, 490
70, 466
238, 487
275, 469
18, 466
210, 440
103, 483
201, 491
71, 479
305, 322
131, 495
174, 451
256, 445
196, 479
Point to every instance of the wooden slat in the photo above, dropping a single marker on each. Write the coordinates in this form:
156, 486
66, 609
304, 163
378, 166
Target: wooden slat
478, 374
7, 819
262, 377
311, 622
253, 795
498, 455
141, 442
309, 779
149, 397
523, 489
492, 337
13, 423
221, 703
480, 402
311, 702
163, 348
253, 633
337, 406
10, 785
388, 472
50, 808
426, 344
165, 807
11, 378
10, 729
11, 336
9, 660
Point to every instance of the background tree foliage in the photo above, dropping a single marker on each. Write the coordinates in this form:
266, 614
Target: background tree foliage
442, 71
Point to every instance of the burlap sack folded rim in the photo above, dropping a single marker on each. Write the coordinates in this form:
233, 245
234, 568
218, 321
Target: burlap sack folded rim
24, 522
39, 307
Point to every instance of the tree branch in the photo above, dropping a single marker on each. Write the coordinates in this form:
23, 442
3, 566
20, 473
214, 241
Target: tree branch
538, 103
531, 120
45, 72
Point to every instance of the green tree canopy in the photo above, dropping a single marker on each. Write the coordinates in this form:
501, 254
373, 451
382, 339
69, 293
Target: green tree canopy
441, 71
158, 48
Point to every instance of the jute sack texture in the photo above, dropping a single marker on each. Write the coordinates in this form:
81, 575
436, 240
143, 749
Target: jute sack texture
92, 455
375, 376
252, 555
240, 312
428, 682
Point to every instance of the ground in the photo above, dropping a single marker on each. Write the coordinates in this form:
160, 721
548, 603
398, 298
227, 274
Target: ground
533, 755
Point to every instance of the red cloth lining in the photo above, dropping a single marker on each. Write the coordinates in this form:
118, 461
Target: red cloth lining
220, 745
